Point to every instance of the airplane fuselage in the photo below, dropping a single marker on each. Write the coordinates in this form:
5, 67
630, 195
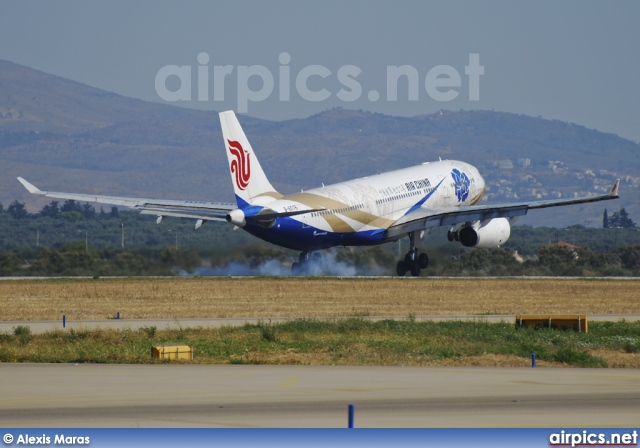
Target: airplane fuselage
358, 212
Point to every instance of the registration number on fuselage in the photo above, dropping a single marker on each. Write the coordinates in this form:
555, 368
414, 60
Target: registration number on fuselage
291, 208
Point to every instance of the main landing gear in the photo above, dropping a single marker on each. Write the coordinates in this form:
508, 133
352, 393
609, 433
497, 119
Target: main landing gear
412, 261
307, 264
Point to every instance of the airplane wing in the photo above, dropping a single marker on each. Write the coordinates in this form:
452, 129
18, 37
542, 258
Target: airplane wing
206, 211
422, 218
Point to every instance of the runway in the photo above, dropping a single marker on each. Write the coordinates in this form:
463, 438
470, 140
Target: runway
176, 324
86, 395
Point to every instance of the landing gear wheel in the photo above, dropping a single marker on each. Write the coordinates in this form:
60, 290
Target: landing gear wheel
308, 264
423, 261
412, 261
401, 268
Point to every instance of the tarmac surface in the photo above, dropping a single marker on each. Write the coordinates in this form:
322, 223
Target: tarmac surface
87, 395
176, 324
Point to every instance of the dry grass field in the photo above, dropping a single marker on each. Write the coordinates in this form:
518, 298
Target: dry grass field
86, 299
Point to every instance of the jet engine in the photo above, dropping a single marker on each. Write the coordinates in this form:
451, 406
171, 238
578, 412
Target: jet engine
490, 234
264, 217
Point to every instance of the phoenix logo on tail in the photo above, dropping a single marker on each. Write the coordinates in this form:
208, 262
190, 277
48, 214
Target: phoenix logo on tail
241, 166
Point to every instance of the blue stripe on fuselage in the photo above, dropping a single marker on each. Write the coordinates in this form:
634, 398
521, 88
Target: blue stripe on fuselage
424, 199
289, 233
241, 202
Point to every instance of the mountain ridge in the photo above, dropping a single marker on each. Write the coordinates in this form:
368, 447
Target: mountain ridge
65, 136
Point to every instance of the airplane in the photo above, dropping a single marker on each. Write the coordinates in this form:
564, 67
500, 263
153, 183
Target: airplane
368, 211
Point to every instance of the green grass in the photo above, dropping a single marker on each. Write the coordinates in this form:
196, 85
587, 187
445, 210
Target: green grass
353, 341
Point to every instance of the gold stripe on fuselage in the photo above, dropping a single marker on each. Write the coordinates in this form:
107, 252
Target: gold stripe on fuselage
477, 198
270, 194
337, 224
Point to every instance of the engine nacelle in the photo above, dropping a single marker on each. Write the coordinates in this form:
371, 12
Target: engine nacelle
254, 214
236, 217
492, 234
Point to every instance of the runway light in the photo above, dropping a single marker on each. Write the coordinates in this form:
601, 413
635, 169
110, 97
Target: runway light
351, 415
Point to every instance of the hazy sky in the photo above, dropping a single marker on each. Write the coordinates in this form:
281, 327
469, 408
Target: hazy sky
575, 61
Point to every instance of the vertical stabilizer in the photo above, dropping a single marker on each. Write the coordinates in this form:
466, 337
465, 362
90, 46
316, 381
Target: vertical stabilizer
249, 181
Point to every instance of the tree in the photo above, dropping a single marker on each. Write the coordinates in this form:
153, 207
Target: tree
621, 219
9, 264
71, 206
630, 257
605, 220
17, 210
625, 221
50, 210
182, 258
614, 220
1, 208
115, 213
130, 264
88, 211
559, 260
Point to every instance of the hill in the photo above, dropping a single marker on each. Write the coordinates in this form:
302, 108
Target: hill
63, 135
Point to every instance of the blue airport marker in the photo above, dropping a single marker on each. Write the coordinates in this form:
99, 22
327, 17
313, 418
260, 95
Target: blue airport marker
533, 359
351, 415
118, 314
64, 321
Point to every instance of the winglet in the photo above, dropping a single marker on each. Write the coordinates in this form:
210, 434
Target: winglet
32, 188
614, 190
